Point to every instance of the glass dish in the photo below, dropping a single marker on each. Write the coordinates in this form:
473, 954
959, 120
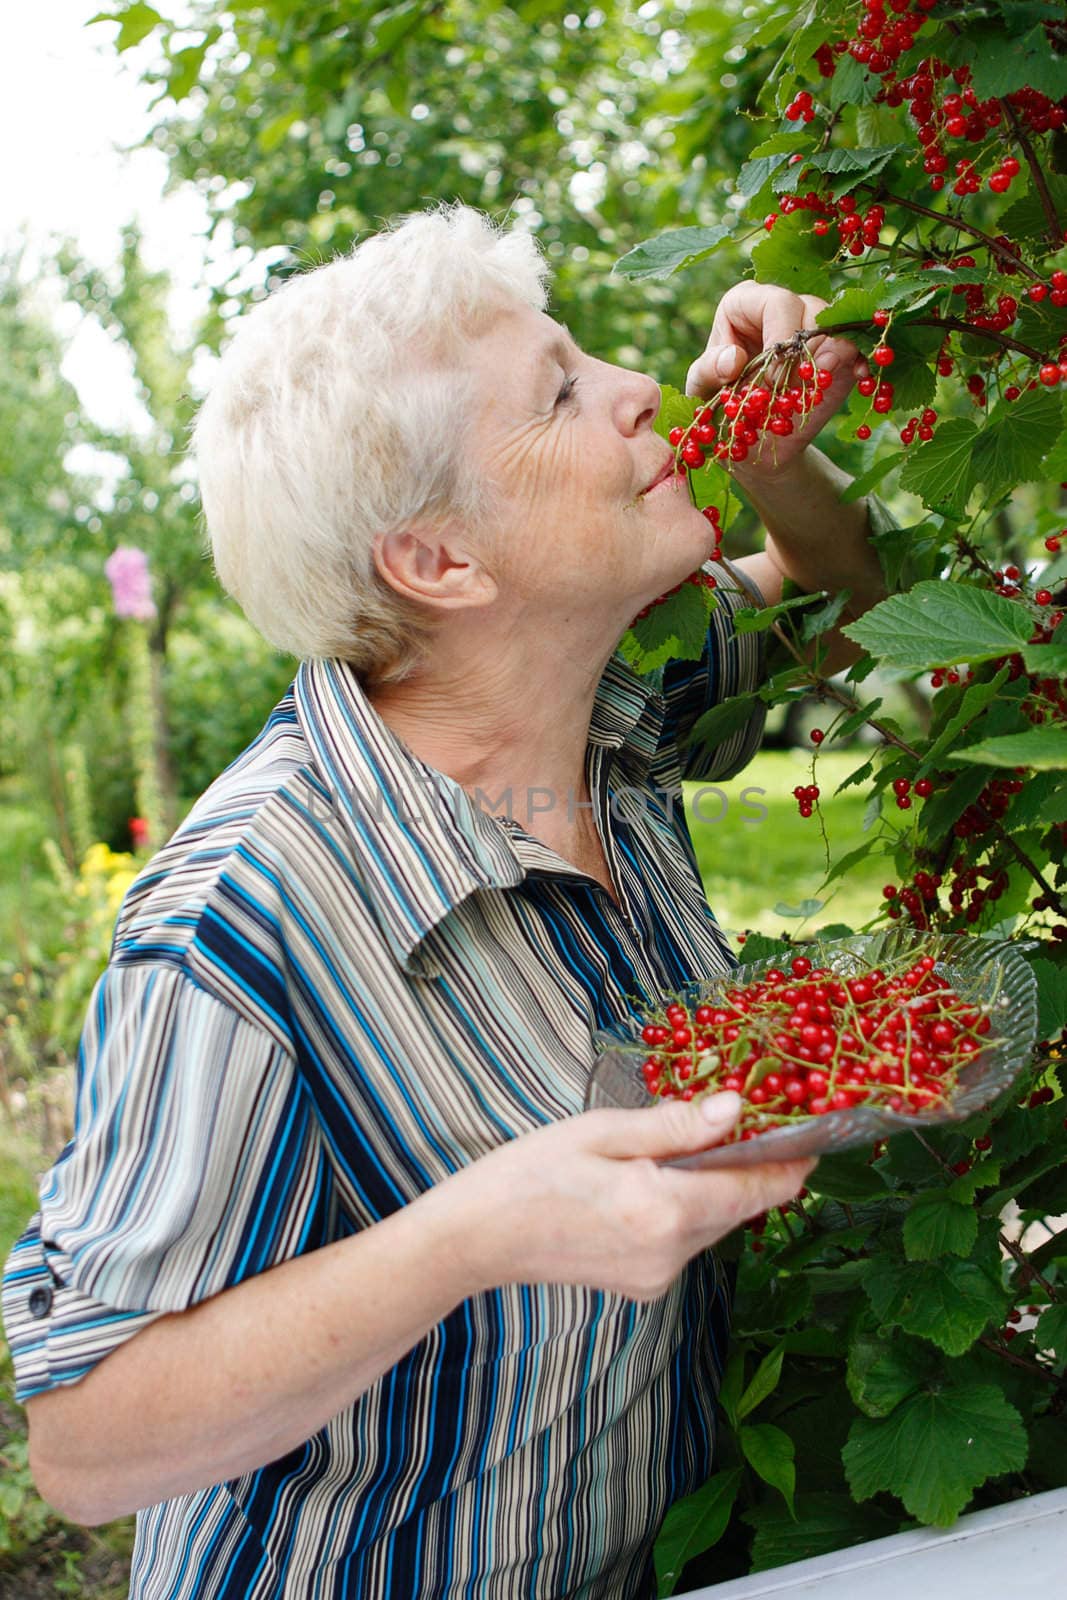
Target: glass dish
977, 969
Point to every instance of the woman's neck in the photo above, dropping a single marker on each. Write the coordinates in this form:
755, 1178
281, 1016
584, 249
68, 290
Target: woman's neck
511, 727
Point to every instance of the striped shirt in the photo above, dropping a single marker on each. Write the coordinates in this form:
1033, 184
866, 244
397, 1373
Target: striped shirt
338, 983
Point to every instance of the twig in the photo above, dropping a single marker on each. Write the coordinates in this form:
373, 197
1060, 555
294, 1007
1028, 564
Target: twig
1048, 205
1019, 1361
955, 222
952, 324
1023, 1260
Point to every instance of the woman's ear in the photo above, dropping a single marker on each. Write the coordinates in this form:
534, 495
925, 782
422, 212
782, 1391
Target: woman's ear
434, 566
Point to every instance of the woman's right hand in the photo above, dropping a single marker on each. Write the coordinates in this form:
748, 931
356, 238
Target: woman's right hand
585, 1201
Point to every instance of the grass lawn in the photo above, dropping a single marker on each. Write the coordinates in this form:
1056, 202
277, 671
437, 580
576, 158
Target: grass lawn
750, 864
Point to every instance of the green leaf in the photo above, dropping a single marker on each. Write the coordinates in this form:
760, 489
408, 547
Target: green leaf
884, 1371
949, 1302
792, 256
733, 1381
938, 623
1025, 218
721, 721
939, 472
844, 166
694, 1525
873, 476
670, 252
1051, 1331
823, 618
937, 1225
1012, 444
1045, 660
1042, 749
983, 1175
676, 629
852, 724
847, 1177
755, 174
676, 410
852, 85
824, 1522
973, 701
806, 908
136, 22
847, 862
750, 620
935, 1449
770, 1453
763, 1383
1051, 998
185, 67
858, 776
758, 947
946, 806
1004, 60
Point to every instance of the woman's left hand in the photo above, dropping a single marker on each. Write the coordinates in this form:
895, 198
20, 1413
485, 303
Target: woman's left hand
750, 318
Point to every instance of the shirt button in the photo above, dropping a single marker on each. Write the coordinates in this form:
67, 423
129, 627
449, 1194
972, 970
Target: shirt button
40, 1302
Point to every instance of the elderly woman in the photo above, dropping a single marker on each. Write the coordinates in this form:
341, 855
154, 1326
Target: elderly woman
336, 1283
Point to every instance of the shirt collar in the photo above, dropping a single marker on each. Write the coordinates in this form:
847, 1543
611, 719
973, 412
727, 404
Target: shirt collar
423, 845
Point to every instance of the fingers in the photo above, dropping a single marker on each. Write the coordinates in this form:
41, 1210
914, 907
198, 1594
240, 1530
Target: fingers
718, 365
750, 318
673, 1128
731, 1195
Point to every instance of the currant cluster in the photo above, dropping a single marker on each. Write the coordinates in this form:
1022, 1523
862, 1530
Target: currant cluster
857, 231
880, 39
805, 796
882, 35
746, 413
800, 1045
918, 899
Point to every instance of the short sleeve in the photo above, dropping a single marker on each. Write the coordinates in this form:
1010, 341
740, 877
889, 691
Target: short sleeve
197, 1161
732, 664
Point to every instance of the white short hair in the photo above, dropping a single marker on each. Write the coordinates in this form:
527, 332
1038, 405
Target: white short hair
333, 418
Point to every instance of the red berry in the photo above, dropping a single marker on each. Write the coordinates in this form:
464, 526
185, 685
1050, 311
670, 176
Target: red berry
1052, 543
817, 736
882, 356
863, 431
1043, 597
923, 788
1050, 374
800, 966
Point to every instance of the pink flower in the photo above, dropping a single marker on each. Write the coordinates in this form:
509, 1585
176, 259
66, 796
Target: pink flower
127, 572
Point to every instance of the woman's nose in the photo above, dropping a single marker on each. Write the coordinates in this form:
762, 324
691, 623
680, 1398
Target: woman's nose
639, 402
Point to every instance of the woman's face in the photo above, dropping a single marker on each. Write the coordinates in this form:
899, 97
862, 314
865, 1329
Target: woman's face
568, 442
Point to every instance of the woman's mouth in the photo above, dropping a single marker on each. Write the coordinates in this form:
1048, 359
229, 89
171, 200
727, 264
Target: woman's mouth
669, 472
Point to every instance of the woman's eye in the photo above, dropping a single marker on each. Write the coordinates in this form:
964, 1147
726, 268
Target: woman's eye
565, 393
